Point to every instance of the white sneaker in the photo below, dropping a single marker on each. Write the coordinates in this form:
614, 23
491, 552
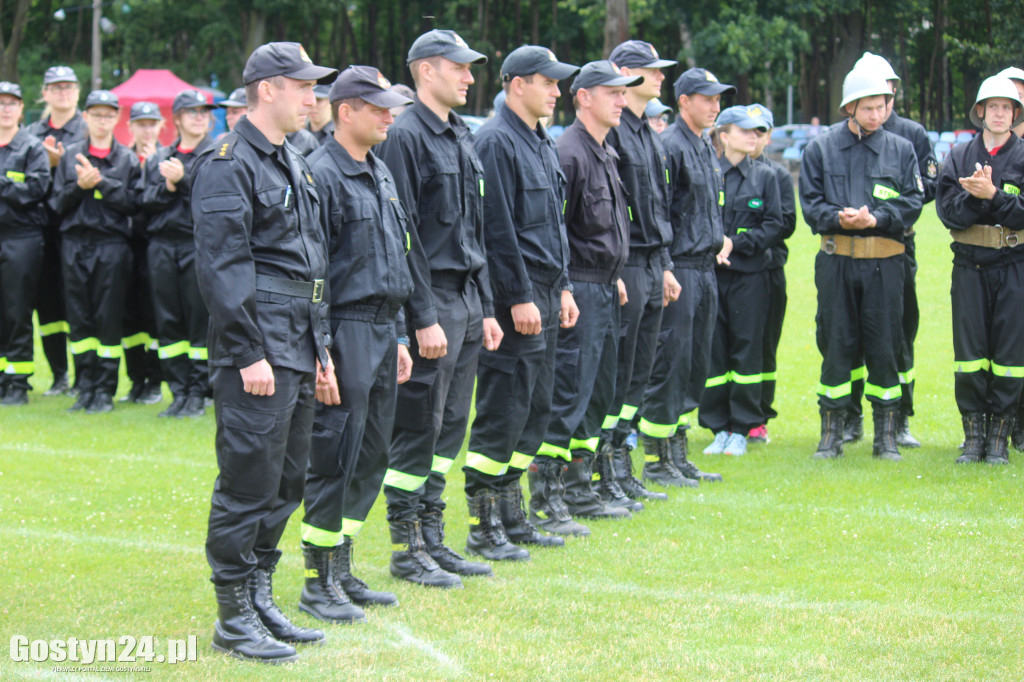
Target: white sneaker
736, 445
717, 446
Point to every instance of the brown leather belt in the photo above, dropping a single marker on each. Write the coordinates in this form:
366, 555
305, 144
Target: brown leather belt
989, 236
861, 247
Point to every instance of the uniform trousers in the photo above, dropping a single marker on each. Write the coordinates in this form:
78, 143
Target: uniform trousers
49, 303
140, 354
20, 259
776, 315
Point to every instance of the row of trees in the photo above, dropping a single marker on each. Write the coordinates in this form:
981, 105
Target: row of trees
941, 48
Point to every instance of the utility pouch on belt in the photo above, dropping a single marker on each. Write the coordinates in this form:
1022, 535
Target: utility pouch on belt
861, 247
988, 236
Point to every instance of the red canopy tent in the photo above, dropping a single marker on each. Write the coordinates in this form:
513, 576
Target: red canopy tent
159, 86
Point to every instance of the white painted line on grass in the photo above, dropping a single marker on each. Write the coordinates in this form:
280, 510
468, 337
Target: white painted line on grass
409, 639
66, 453
88, 538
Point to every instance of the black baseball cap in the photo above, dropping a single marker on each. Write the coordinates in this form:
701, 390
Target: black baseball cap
444, 43
145, 111
530, 59
368, 84
697, 81
59, 74
284, 59
12, 89
191, 99
636, 54
104, 98
602, 73
322, 90
236, 99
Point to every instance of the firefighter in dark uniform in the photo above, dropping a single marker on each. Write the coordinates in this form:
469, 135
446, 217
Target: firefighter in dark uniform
234, 108
365, 228
776, 308
650, 284
261, 262
527, 258
597, 226
181, 316
752, 217
698, 243
320, 123
860, 189
24, 182
94, 193
979, 201
929, 168
450, 313
60, 128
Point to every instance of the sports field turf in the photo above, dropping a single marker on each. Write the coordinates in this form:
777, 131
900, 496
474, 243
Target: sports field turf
792, 568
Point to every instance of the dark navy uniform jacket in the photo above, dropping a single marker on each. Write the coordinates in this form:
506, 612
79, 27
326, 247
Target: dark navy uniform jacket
880, 171
596, 213
366, 230
696, 195
752, 215
643, 167
72, 131
105, 210
787, 198
256, 211
441, 183
24, 183
958, 210
524, 226
169, 214
927, 164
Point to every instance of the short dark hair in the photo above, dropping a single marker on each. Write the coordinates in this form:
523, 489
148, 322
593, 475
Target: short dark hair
506, 84
414, 66
252, 90
356, 103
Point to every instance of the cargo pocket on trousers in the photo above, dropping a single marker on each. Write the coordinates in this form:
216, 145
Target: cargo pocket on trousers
414, 407
567, 362
245, 452
325, 455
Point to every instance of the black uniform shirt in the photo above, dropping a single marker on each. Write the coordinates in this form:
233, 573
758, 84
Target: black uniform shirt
304, 141
524, 226
256, 211
752, 215
72, 131
365, 228
696, 194
106, 210
643, 167
927, 164
441, 183
24, 182
958, 210
840, 170
169, 214
787, 197
596, 214
324, 134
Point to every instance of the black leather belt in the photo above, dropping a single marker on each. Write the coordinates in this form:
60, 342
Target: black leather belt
312, 291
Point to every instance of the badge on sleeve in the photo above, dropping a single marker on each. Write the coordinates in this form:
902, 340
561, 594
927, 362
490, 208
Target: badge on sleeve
920, 183
933, 169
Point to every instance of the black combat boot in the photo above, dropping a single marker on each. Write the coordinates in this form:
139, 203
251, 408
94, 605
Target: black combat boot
975, 431
622, 468
487, 536
239, 630
261, 592
903, 436
678, 449
853, 426
996, 447
321, 596
658, 465
432, 523
517, 527
832, 434
579, 496
605, 484
410, 561
356, 589
886, 423
547, 508
176, 406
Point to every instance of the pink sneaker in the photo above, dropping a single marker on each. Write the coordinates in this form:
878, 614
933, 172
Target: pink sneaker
759, 434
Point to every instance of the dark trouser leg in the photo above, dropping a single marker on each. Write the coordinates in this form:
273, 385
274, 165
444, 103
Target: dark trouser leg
714, 404
1006, 340
262, 450
749, 294
78, 265
108, 288
49, 301
703, 329
20, 261
197, 322
772, 336
838, 328
169, 313
911, 321
972, 308
136, 338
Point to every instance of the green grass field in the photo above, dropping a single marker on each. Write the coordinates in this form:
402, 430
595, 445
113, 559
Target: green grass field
792, 569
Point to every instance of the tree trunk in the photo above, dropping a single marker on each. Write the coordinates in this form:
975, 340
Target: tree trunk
11, 47
849, 29
616, 24
254, 24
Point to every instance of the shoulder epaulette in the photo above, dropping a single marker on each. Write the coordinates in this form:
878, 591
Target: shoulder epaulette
224, 148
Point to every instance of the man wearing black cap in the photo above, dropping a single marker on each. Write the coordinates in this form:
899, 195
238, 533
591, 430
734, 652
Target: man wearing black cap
60, 128
698, 243
597, 225
94, 193
650, 284
365, 228
234, 108
528, 258
441, 183
320, 123
261, 262
181, 316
